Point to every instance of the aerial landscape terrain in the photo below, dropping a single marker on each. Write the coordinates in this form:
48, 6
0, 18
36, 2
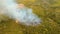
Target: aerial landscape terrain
47, 10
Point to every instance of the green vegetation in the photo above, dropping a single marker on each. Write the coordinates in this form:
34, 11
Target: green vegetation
48, 10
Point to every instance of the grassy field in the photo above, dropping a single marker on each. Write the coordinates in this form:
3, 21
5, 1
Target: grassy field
49, 12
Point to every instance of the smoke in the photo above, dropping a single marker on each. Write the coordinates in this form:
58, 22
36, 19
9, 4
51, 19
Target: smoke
23, 15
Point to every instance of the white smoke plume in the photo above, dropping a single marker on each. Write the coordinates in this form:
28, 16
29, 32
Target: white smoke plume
18, 12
